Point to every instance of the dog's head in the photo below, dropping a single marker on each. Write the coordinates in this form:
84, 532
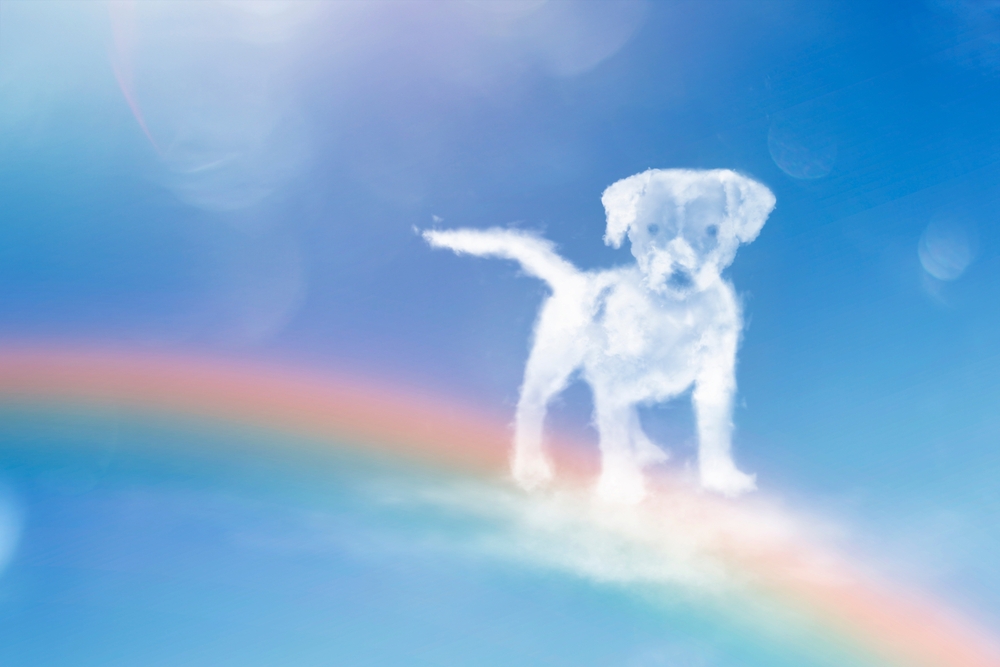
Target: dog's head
685, 225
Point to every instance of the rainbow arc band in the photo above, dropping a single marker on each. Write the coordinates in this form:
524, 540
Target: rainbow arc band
898, 627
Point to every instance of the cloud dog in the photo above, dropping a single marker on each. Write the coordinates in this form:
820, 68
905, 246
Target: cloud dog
638, 334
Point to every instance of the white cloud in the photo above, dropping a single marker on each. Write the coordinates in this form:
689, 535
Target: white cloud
754, 564
638, 334
679, 544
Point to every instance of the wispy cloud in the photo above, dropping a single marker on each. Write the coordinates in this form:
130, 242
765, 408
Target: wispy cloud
754, 563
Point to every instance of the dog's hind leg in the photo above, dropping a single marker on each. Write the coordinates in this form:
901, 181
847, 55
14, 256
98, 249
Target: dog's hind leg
556, 354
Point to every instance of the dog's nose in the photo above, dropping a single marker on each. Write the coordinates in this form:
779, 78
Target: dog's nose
680, 279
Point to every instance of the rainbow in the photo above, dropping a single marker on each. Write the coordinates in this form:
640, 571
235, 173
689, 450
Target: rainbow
892, 626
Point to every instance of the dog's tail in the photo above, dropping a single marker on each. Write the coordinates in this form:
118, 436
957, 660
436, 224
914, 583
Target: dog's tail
536, 255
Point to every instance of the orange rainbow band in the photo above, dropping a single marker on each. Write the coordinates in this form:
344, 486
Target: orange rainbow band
353, 412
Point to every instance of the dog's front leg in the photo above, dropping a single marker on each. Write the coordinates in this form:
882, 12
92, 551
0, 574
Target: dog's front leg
622, 479
715, 386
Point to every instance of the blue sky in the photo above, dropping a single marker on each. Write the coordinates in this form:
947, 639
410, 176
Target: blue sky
297, 149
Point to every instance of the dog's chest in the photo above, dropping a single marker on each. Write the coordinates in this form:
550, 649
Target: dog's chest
632, 323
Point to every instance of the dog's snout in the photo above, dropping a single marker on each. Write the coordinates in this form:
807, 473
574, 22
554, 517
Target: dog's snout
680, 279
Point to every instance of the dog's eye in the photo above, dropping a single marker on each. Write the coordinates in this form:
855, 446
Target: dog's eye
712, 230
653, 229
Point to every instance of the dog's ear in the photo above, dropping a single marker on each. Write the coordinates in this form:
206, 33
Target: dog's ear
748, 203
621, 203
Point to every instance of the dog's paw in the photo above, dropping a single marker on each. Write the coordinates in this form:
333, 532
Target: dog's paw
624, 485
531, 471
727, 480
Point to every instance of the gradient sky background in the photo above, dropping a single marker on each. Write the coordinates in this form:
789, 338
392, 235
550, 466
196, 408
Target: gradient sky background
243, 180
